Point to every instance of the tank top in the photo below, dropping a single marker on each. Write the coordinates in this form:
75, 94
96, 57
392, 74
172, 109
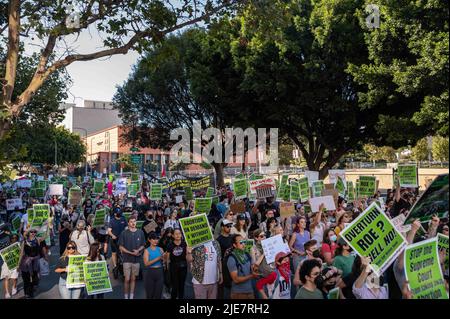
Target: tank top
154, 254
300, 240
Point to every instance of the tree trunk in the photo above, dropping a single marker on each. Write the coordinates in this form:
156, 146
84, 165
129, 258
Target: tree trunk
5, 126
220, 180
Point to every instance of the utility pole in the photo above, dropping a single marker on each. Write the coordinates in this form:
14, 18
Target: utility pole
56, 154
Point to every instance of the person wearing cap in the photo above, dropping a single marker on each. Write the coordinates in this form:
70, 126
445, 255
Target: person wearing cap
278, 283
229, 215
225, 242
116, 226
343, 260
240, 227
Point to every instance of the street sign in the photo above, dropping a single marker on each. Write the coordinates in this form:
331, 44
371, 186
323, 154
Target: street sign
136, 159
134, 149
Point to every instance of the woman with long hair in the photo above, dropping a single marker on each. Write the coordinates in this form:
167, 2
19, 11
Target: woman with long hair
298, 239
329, 246
29, 265
240, 227
62, 268
95, 255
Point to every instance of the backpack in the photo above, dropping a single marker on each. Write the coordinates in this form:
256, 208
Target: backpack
225, 272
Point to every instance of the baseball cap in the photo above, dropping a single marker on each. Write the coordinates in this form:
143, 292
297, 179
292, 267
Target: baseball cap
341, 241
241, 217
281, 255
226, 222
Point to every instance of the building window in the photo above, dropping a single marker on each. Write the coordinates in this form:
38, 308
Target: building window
149, 158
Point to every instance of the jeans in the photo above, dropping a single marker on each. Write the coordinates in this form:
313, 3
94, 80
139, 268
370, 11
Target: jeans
68, 293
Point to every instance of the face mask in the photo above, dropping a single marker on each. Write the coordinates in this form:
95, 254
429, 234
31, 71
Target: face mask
328, 287
316, 253
318, 281
333, 238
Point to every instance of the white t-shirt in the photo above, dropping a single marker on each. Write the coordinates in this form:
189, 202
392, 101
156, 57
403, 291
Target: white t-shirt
210, 275
24, 220
318, 233
283, 291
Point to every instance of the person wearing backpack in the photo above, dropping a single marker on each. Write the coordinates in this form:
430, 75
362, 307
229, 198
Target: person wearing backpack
278, 283
239, 264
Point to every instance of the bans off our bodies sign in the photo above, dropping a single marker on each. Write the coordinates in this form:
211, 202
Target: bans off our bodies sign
373, 235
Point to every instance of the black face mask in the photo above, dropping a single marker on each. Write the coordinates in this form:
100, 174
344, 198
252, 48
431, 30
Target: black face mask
328, 287
316, 253
319, 281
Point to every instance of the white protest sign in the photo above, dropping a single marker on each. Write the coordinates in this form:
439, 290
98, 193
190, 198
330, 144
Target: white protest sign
40, 178
24, 183
272, 246
334, 173
179, 199
121, 186
265, 181
399, 223
11, 204
55, 189
312, 176
328, 201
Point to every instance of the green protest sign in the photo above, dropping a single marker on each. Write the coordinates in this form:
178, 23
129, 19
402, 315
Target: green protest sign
423, 270
75, 275
188, 193
39, 192
333, 293
40, 215
340, 186
42, 184
255, 177
240, 187
156, 191
75, 196
407, 175
317, 187
373, 235
202, 205
303, 188
210, 192
248, 244
127, 215
96, 277
433, 202
99, 186
239, 176
139, 224
99, 219
16, 223
133, 189
134, 177
11, 256
367, 186
196, 230
32, 192
443, 247
281, 191
351, 195
294, 194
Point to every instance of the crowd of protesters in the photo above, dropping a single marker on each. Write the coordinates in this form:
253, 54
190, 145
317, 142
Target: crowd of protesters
156, 252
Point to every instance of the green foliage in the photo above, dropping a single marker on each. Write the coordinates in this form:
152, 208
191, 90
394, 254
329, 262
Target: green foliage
127, 164
383, 153
420, 150
440, 149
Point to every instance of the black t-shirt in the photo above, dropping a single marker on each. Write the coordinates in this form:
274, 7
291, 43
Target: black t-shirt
63, 263
225, 243
349, 280
177, 254
265, 207
398, 206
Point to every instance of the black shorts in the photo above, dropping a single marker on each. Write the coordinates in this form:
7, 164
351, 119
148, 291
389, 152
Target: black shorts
114, 245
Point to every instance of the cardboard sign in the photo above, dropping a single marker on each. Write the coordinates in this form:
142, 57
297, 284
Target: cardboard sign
287, 209
272, 246
11, 255
423, 270
56, 189
312, 177
11, 204
328, 201
331, 192
75, 196
408, 176
156, 191
75, 275
96, 277
240, 188
328, 186
373, 235
202, 205
196, 230
238, 207
150, 227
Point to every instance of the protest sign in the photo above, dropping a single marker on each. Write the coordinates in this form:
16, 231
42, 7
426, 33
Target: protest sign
351, 195
127, 215
287, 209
281, 191
331, 192
13, 203
40, 215
55, 189
24, 183
304, 189
99, 219
215, 200
317, 187
16, 223
328, 201
75, 196
334, 174
39, 192
151, 226
99, 186
443, 246
196, 230
373, 235
42, 184
202, 205
407, 175
238, 207
294, 192
263, 191
433, 202
155, 191
333, 293
340, 186
134, 177
133, 189
239, 176
96, 277
423, 270
210, 192
312, 177
272, 246
75, 274
367, 186
179, 199
188, 193
264, 181
139, 224
398, 223
11, 255
248, 244
240, 188
121, 186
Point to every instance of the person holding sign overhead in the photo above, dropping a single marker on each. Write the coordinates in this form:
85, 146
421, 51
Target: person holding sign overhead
366, 287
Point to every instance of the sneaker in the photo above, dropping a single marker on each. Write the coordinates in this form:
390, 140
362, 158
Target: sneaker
14, 291
7, 296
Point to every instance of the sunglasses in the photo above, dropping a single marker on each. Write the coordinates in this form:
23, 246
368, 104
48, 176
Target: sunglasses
70, 248
262, 236
228, 226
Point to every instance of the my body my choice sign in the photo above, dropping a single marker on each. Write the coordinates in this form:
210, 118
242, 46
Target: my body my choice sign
373, 235
196, 230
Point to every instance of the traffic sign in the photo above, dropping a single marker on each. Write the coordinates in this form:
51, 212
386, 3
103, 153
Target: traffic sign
136, 159
134, 149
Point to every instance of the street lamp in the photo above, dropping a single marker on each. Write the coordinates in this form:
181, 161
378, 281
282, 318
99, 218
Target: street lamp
85, 163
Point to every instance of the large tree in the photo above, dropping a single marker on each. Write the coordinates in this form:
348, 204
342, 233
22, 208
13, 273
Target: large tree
124, 24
